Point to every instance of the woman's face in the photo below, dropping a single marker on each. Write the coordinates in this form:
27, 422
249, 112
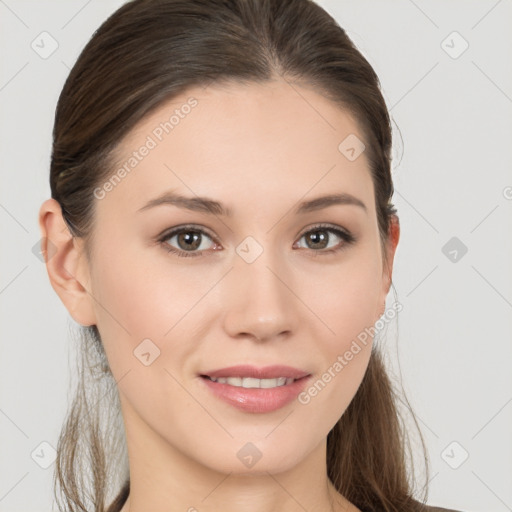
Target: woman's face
258, 284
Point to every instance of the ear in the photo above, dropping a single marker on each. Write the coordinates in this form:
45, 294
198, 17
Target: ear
66, 263
391, 245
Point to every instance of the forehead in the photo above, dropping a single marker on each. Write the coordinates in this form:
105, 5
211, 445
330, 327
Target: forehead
236, 141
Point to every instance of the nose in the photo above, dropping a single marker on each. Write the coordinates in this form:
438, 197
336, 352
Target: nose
259, 299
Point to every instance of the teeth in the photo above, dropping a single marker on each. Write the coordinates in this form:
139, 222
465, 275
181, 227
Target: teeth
250, 382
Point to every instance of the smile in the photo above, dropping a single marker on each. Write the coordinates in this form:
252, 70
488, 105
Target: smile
250, 382
253, 395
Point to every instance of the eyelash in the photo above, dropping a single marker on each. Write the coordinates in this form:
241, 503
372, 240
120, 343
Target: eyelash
344, 235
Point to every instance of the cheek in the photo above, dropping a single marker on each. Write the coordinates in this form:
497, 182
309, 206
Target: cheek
143, 307
347, 301
144, 296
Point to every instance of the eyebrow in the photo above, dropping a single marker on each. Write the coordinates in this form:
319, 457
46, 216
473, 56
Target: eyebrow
207, 205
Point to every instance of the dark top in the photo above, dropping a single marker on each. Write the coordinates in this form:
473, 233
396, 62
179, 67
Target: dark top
439, 509
121, 498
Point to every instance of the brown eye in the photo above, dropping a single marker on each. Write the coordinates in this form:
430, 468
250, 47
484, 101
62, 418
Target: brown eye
188, 241
317, 239
326, 239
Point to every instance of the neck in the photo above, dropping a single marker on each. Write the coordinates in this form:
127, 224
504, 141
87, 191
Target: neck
163, 478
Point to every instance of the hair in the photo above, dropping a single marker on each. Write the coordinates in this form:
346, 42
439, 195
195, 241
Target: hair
144, 54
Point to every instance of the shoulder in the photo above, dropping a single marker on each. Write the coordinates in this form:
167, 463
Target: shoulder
421, 507
428, 508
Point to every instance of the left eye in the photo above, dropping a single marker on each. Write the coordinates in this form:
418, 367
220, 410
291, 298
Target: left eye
318, 238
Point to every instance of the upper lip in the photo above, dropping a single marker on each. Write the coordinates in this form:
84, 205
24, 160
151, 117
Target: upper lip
266, 372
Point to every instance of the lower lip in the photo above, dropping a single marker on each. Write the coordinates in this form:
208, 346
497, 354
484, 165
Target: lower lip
258, 400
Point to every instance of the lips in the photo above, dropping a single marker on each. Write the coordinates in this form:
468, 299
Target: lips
263, 399
267, 372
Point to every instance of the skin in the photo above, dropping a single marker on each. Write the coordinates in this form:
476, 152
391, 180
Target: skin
259, 150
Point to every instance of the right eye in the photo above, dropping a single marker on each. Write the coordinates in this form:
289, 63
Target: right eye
189, 240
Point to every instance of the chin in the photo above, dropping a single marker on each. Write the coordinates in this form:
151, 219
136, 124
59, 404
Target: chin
249, 460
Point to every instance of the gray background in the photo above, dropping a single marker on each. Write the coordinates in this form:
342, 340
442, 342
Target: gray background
451, 168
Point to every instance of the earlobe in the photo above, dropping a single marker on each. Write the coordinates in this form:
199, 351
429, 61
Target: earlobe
66, 263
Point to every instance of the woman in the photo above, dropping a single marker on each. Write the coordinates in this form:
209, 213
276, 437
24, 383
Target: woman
251, 137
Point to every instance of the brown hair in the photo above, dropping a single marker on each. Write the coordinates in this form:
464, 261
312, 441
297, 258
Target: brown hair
145, 53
